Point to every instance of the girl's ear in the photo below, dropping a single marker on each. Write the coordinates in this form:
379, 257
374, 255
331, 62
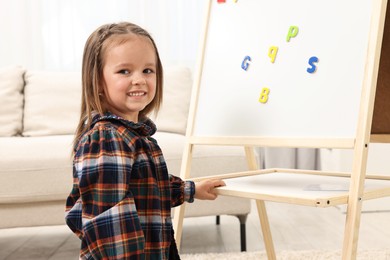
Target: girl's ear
101, 91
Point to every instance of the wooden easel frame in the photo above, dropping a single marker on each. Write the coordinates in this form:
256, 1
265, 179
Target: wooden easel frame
359, 144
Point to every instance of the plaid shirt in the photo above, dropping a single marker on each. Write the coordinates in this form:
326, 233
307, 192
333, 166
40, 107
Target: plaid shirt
120, 204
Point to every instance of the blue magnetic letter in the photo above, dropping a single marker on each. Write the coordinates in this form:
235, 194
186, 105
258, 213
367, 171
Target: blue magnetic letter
245, 63
313, 68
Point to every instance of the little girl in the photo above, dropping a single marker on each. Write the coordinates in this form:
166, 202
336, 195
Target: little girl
120, 204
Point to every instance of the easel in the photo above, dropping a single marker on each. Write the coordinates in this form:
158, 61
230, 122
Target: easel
260, 184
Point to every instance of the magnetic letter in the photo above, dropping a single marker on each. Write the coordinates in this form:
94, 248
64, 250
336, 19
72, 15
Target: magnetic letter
264, 95
245, 63
273, 50
313, 67
292, 32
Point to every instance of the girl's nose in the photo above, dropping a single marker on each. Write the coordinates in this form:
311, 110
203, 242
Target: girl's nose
138, 80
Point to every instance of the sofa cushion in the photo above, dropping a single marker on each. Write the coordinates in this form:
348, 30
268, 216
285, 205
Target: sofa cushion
35, 168
52, 103
173, 114
11, 100
46, 92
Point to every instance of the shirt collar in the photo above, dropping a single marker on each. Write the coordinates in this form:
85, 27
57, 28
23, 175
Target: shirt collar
144, 127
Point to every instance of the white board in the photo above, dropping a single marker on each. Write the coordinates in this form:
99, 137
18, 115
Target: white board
300, 104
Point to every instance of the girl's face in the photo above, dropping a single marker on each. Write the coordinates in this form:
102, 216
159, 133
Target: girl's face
129, 75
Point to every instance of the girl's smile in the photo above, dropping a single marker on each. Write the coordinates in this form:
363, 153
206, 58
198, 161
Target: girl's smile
136, 94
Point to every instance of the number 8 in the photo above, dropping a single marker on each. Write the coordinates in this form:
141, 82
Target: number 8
264, 95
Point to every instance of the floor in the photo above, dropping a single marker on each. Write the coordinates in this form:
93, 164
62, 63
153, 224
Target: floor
293, 228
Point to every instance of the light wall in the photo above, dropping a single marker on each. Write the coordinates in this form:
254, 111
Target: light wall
50, 34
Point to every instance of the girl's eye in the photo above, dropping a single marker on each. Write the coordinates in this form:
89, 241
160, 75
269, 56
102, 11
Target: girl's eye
123, 72
148, 71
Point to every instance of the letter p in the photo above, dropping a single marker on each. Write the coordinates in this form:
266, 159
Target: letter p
292, 32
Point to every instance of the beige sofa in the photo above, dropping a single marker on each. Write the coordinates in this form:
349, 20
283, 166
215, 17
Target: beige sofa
38, 115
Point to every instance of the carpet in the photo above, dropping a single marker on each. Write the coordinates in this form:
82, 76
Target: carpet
290, 255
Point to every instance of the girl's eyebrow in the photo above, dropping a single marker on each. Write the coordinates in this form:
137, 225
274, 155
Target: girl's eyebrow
149, 64
122, 65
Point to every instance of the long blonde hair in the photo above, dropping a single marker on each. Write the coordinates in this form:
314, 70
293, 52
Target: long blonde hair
92, 73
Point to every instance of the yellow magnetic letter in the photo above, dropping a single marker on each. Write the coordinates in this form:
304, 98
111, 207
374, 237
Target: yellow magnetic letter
264, 95
292, 32
273, 50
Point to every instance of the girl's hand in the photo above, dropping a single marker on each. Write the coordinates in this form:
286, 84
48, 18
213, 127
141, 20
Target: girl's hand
204, 190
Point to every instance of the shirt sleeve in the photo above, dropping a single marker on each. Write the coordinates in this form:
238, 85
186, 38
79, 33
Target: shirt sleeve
110, 227
181, 191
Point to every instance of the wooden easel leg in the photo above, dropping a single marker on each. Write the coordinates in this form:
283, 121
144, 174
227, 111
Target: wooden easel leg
179, 211
351, 231
265, 228
251, 158
269, 245
352, 224
178, 224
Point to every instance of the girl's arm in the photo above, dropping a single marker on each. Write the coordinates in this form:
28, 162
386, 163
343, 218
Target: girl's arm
109, 224
188, 190
181, 191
